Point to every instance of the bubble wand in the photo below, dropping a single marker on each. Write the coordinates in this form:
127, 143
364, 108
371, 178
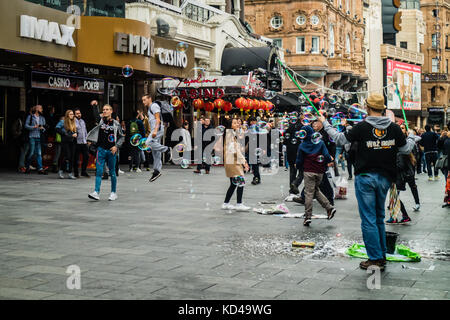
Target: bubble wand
401, 104
298, 86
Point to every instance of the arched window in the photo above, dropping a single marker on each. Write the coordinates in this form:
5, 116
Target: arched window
331, 45
347, 44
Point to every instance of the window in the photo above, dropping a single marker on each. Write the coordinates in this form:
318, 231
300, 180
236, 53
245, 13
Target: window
446, 66
404, 44
301, 19
278, 43
347, 44
276, 22
315, 45
434, 65
315, 20
447, 44
300, 45
435, 12
331, 40
433, 94
433, 40
347, 5
410, 4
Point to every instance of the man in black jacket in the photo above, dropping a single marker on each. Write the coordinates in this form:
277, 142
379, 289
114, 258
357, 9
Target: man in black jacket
292, 143
429, 143
204, 165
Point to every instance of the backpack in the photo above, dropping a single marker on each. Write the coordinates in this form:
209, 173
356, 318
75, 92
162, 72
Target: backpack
134, 128
166, 111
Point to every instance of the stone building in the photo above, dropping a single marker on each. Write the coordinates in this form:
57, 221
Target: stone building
322, 39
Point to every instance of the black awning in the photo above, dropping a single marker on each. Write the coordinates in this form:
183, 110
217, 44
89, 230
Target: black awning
238, 61
286, 102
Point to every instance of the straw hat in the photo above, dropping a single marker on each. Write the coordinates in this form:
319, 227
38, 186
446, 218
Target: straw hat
376, 102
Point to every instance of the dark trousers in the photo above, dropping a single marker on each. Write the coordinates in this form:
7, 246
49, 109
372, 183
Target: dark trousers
231, 188
295, 176
203, 165
83, 150
135, 157
325, 188
419, 162
349, 165
431, 158
255, 169
412, 185
68, 149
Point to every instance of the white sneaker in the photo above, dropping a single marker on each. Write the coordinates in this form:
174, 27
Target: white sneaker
113, 196
32, 168
121, 172
241, 207
94, 195
71, 176
138, 170
416, 207
61, 174
227, 206
437, 178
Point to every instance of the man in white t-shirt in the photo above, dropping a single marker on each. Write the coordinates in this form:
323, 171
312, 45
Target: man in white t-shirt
156, 133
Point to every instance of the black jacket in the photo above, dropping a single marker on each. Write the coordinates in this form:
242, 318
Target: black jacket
291, 149
429, 141
405, 171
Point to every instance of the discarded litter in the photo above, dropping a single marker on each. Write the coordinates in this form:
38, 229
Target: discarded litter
267, 202
301, 215
290, 198
401, 254
278, 209
296, 244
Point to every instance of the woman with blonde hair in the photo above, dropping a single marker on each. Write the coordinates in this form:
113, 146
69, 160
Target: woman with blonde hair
234, 163
68, 131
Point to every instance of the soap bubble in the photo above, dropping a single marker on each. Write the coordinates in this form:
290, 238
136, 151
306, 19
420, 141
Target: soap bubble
111, 138
216, 160
301, 134
238, 181
135, 139
294, 141
219, 130
185, 163
302, 99
333, 98
258, 152
143, 144
168, 86
287, 135
331, 111
180, 147
127, 71
306, 122
182, 46
316, 137
293, 119
320, 158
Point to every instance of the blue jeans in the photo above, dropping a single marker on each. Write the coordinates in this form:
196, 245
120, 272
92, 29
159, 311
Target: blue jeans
35, 148
110, 159
371, 190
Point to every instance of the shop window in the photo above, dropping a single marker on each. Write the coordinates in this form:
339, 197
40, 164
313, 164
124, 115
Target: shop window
300, 45
315, 45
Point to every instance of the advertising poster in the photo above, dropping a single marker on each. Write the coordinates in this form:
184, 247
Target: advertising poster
408, 78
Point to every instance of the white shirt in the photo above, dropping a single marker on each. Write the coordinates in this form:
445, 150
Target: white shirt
154, 109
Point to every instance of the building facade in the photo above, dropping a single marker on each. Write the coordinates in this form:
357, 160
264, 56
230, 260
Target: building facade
322, 40
435, 77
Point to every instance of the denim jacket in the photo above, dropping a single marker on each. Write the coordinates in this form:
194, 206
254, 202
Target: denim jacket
92, 135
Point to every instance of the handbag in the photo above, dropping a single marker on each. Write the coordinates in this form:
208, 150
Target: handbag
442, 162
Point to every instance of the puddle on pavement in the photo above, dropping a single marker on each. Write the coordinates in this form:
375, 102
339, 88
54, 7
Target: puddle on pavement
428, 250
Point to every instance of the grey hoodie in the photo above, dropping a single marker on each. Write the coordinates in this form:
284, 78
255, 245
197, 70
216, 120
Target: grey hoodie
377, 122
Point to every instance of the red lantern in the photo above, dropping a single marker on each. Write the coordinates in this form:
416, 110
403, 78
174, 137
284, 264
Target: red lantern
219, 103
198, 104
228, 106
255, 104
241, 103
262, 105
209, 106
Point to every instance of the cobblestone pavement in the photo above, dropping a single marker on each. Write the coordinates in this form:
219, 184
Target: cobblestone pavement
170, 240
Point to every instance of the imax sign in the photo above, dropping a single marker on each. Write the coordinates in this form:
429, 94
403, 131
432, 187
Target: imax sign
31, 27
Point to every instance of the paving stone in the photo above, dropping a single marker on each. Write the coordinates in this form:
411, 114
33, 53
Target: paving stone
25, 294
18, 283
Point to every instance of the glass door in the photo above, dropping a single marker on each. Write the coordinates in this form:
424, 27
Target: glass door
115, 98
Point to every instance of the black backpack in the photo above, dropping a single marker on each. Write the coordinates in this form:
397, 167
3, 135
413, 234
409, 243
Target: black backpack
166, 111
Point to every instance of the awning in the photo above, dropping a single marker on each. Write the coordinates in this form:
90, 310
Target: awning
286, 102
237, 61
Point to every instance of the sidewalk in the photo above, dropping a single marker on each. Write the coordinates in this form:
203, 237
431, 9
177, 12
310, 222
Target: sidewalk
170, 240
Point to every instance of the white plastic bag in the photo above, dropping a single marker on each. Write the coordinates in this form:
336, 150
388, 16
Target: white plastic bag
341, 188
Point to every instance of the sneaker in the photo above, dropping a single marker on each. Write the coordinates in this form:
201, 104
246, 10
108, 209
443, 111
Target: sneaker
430, 178
131, 169
350, 178
32, 168
254, 181
121, 172
113, 196
299, 199
392, 221
147, 169
85, 174
416, 207
22, 169
437, 178
94, 195
331, 213
156, 174
207, 171
71, 176
307, 222
138, 170
197, 171
368, 263
241, 207
61, 174
405, 220
227, 206
42, 171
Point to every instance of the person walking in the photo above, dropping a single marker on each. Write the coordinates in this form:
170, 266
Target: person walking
35, 124
68, 130
108, 137
234, 163
206, 163
154, 138
21, 137
378, 142
252, 147
312, 159
187, 141
429, 143
292, 144
81, 145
